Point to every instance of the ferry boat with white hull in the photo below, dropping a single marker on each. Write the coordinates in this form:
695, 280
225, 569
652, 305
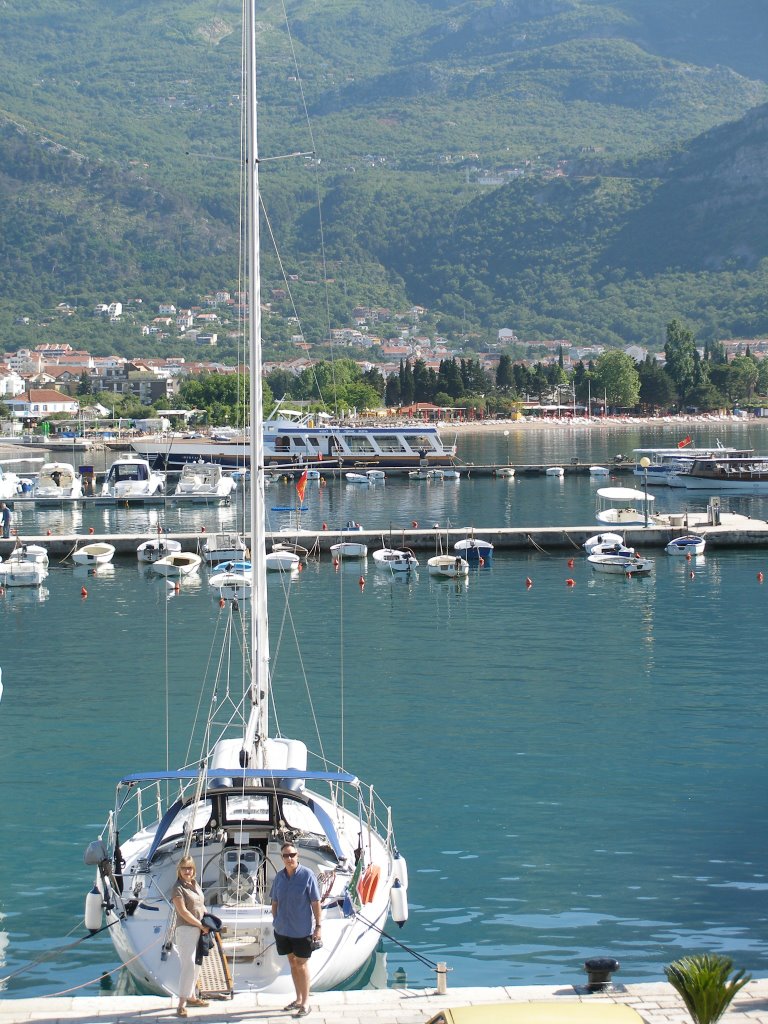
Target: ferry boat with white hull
291, 439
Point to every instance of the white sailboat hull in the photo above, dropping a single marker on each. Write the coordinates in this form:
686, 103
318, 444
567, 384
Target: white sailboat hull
247, 934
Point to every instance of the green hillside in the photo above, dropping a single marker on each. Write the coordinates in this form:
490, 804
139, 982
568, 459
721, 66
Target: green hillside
627, 136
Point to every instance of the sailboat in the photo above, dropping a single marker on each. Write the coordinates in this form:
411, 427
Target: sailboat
245, 792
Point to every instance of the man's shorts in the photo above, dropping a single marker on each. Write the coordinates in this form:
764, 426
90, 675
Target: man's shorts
302, 948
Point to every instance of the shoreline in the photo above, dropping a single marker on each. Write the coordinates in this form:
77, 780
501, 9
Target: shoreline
671, 423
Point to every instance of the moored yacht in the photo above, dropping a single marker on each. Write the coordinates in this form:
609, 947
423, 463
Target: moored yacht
131, 478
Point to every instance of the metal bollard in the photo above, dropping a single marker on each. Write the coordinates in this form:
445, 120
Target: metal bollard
599, 970
442, 978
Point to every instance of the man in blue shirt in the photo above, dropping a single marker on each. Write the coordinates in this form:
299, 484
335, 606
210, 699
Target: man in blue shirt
295, 899
6, 514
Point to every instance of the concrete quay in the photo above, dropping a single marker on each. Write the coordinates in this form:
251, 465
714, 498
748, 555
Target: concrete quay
655, 1002
734, 531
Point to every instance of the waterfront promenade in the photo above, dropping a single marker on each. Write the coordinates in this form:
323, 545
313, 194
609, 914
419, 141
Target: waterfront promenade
655, 1002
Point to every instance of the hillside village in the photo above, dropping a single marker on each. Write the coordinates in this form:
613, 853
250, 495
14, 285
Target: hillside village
51, 377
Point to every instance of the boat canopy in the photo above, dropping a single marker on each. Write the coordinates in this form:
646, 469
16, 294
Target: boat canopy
624, 494
322, 816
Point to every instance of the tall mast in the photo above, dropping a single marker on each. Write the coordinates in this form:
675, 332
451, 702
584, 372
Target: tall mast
258, 720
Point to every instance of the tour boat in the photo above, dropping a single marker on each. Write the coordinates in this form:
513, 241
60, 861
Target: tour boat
666, 463
293, 438
743, 474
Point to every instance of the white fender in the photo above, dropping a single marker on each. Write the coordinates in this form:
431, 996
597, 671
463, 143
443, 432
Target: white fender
400, 869
93, 908
398, 902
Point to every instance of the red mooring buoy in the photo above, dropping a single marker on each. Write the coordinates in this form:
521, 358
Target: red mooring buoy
83, 592
528, 582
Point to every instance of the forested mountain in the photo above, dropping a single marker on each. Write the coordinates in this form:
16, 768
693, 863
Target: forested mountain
568, 168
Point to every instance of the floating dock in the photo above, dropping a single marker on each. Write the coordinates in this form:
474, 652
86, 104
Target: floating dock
733, 531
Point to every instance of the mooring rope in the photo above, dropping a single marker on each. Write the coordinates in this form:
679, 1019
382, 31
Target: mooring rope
570, 538
417, 956
51, 954
537, 546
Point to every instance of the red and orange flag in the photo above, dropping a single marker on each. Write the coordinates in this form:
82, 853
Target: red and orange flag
301, 486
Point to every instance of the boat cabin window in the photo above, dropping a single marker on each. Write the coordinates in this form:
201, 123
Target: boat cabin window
298, 816
130, 473
359, 443
389, 443
282, 444
189, 818
247, 807
417, 441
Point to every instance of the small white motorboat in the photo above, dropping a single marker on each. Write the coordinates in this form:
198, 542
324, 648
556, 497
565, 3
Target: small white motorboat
223, 547
607, 544
96, 553
454, 474
475, 551
349, 549
28, 553
357, 478
375, 474
180, 563
448, 566
152, 550
22, 574
233, 584
57, 482
292, 547
689, 544
282, 560
313, 474
395, 560
600, 539
131, 478
555, 471
505, 471
204, 482
621, 565
599, 471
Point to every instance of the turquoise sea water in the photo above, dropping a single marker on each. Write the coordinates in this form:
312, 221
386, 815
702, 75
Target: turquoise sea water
573, 770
